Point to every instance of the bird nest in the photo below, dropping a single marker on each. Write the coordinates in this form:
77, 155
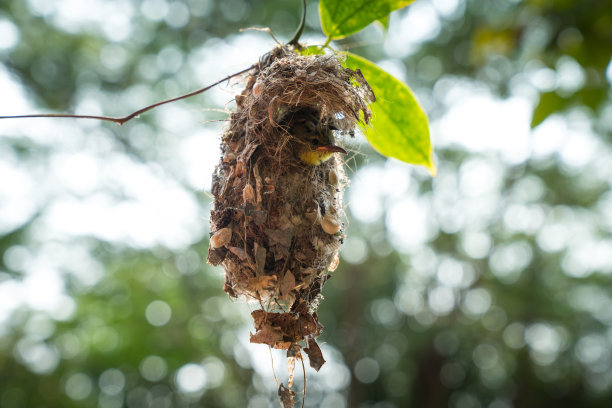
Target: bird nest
276, 225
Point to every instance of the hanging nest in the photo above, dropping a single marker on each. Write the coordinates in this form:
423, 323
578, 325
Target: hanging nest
276, 226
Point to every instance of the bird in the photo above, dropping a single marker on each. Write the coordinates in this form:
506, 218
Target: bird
313, 139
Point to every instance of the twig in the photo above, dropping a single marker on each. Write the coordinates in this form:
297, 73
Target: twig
264, 29
124, 119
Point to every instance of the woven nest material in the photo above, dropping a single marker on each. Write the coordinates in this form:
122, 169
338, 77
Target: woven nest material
276, 225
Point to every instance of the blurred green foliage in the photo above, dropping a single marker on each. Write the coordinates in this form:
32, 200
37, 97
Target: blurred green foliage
505, 300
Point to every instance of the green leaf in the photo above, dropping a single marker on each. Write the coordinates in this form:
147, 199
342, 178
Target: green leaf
311, 50
399, 127
550, 102
384, 23
340, 18
592, 97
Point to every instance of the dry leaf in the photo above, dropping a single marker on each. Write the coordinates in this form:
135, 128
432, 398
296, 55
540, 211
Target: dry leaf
287, 284
286, 396
239, 252
221, 238
314, 354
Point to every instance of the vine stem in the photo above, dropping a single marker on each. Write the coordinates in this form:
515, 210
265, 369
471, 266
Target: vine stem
122, 120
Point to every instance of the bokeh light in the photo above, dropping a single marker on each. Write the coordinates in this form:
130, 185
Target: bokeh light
486, 286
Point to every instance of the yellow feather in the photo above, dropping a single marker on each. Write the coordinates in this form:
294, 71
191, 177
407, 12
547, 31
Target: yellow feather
314, 157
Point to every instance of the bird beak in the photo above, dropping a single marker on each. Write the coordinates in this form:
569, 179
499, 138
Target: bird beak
331, 149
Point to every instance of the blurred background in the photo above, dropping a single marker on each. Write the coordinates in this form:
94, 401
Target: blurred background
487, 286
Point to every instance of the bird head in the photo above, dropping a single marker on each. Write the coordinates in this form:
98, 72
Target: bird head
315, 151
313, 140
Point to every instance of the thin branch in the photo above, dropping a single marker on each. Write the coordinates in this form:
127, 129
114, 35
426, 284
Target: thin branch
265, 30
124, 119
63, 115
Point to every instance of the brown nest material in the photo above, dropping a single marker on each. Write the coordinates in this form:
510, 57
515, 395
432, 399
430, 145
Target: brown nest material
276, 226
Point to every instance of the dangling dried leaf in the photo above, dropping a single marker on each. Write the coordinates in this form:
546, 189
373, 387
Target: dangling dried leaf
266, 334
293, 327
286, 396
314, 354
290, 371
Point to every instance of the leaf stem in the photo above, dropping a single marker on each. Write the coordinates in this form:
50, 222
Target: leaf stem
300, 29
